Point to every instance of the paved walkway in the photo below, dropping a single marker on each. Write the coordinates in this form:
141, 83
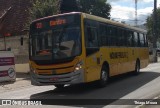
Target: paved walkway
22, 80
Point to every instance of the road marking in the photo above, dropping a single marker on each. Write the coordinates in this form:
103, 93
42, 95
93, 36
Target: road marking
156, 97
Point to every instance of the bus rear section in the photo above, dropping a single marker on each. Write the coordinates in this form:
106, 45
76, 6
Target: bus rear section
7, 66
56, 50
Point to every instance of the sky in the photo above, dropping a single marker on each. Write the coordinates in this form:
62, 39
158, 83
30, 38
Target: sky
124, 10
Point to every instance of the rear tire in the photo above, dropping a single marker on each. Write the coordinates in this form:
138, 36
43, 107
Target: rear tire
104, 77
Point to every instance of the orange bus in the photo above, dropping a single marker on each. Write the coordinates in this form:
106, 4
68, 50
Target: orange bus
76, 47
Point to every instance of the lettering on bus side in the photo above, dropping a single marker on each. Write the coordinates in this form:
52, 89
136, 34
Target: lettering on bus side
116, 55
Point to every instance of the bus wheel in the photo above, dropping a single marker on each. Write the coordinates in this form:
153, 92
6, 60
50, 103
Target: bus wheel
137, 68
104, 77
59, 86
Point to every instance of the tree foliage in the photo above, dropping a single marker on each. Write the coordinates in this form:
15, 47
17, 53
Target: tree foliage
68, 6
95, 7
150, 25
43, 8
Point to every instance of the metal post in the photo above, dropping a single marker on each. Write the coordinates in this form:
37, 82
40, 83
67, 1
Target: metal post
136, 13
4, 42
155, 32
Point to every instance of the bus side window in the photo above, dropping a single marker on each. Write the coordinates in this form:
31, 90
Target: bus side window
121, 37
118, 37
111, 33
102, 35
114, 38
135, 39
146, 41
130, 39
139, 43
142, 40
108, 28
133, 42
125, 43
126, 38
110, 36
108, 40
92, 40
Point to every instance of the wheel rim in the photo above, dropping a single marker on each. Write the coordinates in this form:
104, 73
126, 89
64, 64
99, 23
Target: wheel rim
104, 75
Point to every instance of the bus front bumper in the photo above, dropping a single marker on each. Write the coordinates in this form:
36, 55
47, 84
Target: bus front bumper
68, 78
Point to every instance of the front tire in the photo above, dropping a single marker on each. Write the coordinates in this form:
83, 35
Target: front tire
104, 77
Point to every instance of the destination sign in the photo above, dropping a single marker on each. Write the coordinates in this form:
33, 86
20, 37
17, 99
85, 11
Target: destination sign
57, 22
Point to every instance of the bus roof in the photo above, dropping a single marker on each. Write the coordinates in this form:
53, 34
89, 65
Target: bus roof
100, 19
71, 13
96, 18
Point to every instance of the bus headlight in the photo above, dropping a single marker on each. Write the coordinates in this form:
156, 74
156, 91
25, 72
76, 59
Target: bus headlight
32, 69
78, 66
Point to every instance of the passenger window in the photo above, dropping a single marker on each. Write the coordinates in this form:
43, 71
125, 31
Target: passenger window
102, 35
136, 38
142, 42
130, 39
145, 39
91, 40
121, 38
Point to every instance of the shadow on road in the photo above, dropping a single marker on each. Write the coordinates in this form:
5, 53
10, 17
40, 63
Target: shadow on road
117, 88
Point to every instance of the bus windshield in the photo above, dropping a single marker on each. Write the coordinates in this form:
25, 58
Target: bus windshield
58, 43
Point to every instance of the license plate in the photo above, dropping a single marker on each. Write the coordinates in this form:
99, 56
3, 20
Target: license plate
54, 79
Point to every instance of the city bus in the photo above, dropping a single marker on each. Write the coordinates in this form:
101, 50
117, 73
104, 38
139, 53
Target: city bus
76, 47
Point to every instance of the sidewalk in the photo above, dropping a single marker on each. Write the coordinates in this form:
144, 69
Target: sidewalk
22, 81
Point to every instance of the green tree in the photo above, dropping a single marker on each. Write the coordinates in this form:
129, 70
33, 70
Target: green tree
68, 6
43, 8
150, 25
95, 7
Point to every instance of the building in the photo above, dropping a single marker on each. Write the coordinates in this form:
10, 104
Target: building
13, 17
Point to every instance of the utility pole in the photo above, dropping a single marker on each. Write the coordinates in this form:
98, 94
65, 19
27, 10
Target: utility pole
4, 38
155, 32
136, 12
